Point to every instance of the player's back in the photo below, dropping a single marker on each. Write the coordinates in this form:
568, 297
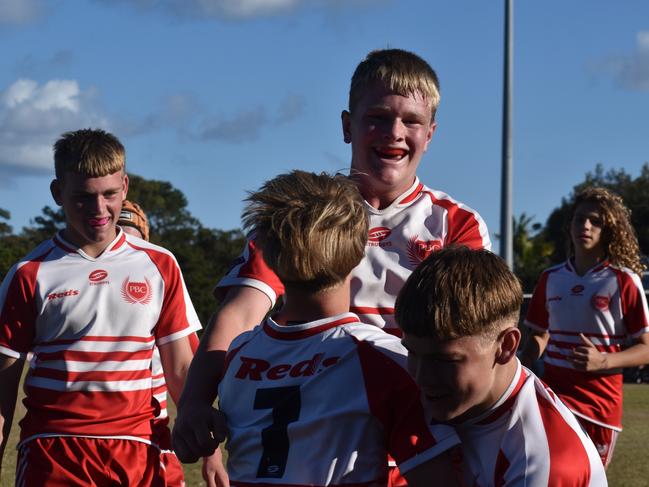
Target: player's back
320, 403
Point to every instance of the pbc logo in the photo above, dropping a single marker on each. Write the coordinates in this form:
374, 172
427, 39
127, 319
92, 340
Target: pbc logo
600, 302
377, 235
137, 292
98, 277
577, 290
63, 294
419, 250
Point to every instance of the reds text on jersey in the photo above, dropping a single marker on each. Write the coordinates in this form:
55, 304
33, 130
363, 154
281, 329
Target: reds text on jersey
322, 403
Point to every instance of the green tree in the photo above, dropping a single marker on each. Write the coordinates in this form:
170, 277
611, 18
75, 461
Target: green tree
532, 251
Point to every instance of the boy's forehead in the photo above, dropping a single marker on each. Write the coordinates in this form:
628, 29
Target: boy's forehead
427, 345
76, 179
377, 93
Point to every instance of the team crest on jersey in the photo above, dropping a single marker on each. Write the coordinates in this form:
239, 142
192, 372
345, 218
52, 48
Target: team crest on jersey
419, 250
600, 302
377, 235
98, 277
137, 292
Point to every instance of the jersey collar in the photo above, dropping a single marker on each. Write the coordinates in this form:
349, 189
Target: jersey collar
596, 268
305, 330
69, 247
404, 199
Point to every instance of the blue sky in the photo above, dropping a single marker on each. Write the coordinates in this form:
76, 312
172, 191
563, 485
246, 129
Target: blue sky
217, 96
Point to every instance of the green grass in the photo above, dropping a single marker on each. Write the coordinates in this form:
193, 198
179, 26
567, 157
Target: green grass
626, 470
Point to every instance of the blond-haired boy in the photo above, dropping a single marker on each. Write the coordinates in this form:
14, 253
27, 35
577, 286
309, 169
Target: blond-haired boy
459, 313
389, 123
312, 396
90, 304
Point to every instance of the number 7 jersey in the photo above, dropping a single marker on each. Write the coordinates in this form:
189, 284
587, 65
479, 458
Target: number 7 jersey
323, 403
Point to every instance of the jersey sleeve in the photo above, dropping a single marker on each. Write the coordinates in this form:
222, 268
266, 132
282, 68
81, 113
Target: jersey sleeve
634, 303
394, 399
18, 309
178, 317
250, 269
537, 316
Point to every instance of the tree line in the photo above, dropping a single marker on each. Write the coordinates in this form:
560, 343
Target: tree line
204, 254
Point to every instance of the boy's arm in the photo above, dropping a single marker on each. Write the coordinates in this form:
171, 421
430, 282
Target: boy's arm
10, 371
534, 347
437, 471
242, 309
588, 358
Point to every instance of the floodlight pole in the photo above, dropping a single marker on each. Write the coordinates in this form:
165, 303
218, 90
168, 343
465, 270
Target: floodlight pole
506, 217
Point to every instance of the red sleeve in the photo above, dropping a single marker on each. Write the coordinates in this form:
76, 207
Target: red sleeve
537, 313
464, 226
634, 303
250, 269
18, 308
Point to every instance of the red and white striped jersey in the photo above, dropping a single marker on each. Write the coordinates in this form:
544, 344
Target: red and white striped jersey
322, 403
91, 324
401, 236
528, 438
608, 305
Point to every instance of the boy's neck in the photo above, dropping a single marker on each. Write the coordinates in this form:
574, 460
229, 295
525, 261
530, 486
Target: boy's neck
302, 306
380, 197
584, 261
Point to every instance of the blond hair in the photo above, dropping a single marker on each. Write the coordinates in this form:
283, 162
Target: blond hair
90, 152
618, 236
459, 292
401, 71
312, 228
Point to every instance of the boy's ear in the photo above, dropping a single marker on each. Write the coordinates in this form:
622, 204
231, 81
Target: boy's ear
55, 189
346, 122
510, 339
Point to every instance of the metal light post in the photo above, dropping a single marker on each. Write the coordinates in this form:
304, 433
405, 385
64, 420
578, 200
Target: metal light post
506, 217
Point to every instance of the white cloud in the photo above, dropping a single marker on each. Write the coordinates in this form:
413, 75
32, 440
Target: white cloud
20, 11
32, 116
631, 71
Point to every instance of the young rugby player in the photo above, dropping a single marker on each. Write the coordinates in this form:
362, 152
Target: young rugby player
90, 304
586, 309
312, 396
393, 100
459, 313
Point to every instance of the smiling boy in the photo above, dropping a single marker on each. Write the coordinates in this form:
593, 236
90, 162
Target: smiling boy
459, 313
90, 304
389, 123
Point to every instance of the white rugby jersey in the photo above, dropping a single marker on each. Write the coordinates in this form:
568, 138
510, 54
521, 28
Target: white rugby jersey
322, 403
401, 236
528, 438
91, 324
608, 305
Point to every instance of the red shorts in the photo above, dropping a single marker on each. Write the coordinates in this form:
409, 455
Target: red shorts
78, 461
603, 437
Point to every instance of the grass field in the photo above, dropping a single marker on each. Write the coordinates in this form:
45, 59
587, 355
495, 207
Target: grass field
626, 470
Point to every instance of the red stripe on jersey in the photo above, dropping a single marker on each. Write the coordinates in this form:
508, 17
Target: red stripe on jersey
81, 356
463, 226
287, 334
569, 462
633, 311
116, 339
571, 345
594, 335
506, 406
410, 197
91, 375
394, 399
397, 332
18, 314
119, 242
366, 310
502, 465
537, 314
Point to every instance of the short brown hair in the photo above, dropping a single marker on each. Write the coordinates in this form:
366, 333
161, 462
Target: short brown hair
132, 215
458, 292
312, 228
90, 152
618, 235
401, 71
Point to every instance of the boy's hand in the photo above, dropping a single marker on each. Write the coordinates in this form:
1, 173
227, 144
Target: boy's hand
587, 358
197, 432
214, 472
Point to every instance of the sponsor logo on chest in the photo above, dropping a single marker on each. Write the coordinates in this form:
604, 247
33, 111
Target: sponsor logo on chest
577, 290
135, 292
98, 277
419, 250
260, 369
377, 236
600, 302
62, 294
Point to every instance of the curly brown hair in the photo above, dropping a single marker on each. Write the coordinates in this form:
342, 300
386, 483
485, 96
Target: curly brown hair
619, 238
